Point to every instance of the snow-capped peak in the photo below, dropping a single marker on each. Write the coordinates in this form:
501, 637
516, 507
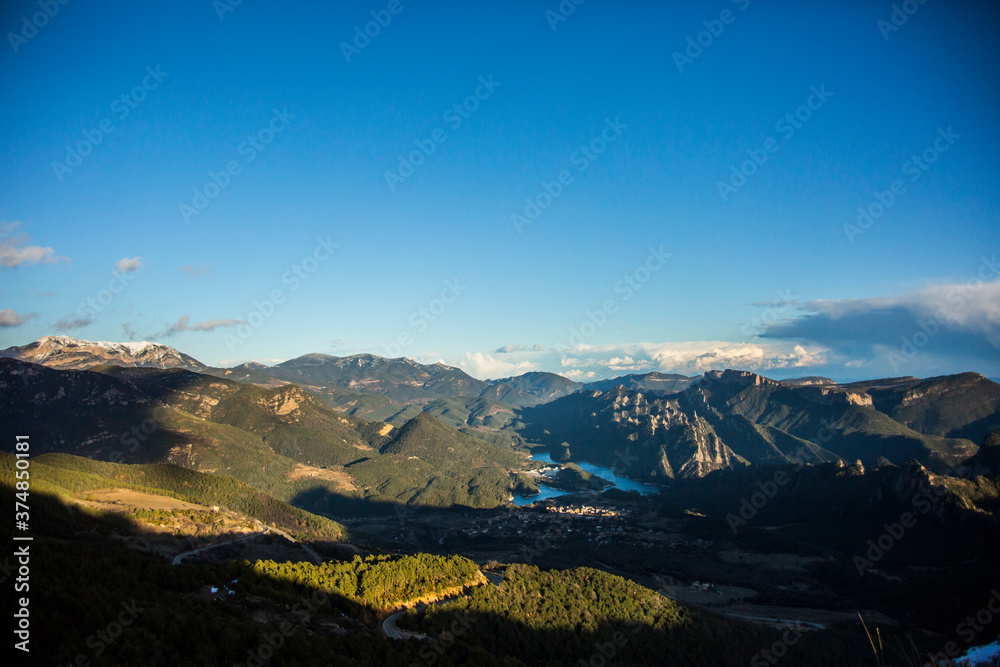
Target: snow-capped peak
69, 352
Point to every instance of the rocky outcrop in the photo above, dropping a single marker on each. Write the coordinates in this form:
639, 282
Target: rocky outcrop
740, 378
643, 436
731, 419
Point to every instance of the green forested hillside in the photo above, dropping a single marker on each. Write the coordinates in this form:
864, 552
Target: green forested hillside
281, 440
307, 615
379, 582
460, 412
563, 617
96, 602
62, 474
428, 463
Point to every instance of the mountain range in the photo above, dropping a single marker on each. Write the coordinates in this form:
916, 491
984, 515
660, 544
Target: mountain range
281, 440
731, 419
401, 380
347, 414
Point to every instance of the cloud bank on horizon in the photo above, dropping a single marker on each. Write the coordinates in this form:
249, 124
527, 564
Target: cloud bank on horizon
921, 332
929, 329
585, 363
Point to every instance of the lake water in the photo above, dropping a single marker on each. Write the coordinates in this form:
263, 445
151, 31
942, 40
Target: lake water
622, 483
982, 655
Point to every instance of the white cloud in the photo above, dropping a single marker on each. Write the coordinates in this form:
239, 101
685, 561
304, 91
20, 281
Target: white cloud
185, 324
626, 363
756, 357
510, 349
71, 322
11, 318
487, 366
126, 265
690, 357
589, 362
971, 307
936, 329
15, 251
198, 272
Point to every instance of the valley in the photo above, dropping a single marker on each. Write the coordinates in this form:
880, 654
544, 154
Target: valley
768, 508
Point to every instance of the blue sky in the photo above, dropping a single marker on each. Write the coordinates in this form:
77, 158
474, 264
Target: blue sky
246, 198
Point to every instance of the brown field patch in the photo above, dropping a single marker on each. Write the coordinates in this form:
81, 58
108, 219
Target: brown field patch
128, 499
335, 475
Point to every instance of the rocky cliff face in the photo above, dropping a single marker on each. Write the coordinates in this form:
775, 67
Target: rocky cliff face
835, 396
728, 420
740, 378
640, 436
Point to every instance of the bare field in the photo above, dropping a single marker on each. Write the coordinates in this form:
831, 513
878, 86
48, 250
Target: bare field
343, 481
166, 534
122, 499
